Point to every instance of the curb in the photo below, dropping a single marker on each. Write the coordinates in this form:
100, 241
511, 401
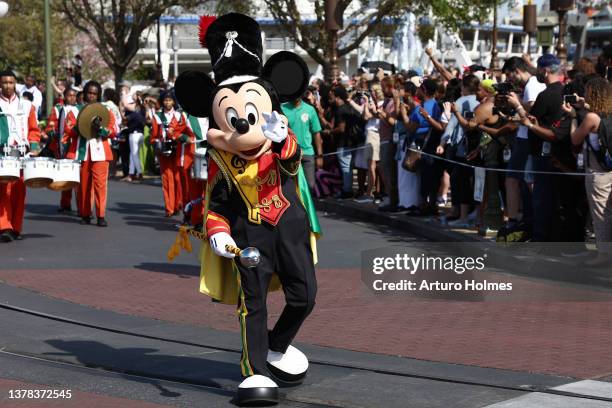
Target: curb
425, 227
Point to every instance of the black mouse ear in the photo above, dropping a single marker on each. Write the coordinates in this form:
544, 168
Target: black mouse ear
193, 90
288, 73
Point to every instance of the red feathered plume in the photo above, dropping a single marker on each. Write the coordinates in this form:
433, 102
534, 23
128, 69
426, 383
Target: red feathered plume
205, 22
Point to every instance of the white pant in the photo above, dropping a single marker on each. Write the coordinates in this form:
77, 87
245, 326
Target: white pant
136, 140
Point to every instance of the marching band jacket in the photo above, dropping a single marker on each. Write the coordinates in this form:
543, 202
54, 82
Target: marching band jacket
79, 146
21, 127
56, 124
255, 188
162, 121
196, 131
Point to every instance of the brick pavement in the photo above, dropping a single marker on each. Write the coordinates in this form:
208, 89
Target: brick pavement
527, 333
78, 399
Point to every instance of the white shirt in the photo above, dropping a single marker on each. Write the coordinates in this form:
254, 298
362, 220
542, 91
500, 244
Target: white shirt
37, 102
533, 87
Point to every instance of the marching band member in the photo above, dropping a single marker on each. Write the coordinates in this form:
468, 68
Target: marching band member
196, 130
55, 129
95, 155
20, 128
168, 125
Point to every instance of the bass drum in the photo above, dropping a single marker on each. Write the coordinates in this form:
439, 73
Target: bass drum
200, 165
38, 171
10, 169
67, 175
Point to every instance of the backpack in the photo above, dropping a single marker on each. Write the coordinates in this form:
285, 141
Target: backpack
605, 139
605, 133
355, 128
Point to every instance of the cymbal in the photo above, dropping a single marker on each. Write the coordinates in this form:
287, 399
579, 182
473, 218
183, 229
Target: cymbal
91, 118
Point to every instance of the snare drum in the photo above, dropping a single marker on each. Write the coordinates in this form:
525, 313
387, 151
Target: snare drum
38, 171
200, 165
67, 175
10, 169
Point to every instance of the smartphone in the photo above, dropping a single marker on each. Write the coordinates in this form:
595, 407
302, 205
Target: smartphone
571, 99
468, 115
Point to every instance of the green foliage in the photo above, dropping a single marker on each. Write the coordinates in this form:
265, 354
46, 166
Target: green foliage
22, 42
235, 6
425, 32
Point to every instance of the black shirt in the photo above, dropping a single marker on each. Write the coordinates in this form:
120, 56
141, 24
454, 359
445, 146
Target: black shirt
342, 113
547, 109
135, 121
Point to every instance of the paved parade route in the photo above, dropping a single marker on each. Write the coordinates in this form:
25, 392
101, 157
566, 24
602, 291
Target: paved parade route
123, 269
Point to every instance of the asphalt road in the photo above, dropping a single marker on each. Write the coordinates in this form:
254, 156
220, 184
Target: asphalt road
125, 357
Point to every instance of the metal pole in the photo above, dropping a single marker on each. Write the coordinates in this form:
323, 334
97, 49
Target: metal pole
48, 65
561, 49
175, 51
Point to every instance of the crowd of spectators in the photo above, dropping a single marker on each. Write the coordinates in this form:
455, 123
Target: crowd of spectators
524, 151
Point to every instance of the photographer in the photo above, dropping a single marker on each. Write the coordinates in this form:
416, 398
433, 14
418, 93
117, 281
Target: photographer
458, 147
492, 131
522, 75
595, 133
546, 111
388, 118
373, 102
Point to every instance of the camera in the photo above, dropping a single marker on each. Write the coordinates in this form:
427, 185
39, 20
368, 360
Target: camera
500, 104
503, 88
468, 115
358, 96
571, 99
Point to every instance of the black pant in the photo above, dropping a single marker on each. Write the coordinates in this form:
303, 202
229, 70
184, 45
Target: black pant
124, 155
462, 183
285, 250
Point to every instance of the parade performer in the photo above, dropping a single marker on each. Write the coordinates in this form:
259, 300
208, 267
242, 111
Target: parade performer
56, 124
166, 127
254, 199
196, 130
18, 127
95, 156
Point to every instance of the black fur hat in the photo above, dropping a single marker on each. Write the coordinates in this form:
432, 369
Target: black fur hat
235, 47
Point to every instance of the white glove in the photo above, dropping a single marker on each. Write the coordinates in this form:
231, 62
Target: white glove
274, 128
218, 242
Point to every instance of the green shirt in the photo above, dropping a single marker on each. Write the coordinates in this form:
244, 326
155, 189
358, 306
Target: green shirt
304, 122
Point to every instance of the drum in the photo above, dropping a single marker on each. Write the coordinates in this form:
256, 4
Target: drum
38, 171
10, 169
200, 165
67, 175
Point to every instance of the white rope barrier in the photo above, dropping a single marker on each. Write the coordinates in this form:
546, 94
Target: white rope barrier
435, 156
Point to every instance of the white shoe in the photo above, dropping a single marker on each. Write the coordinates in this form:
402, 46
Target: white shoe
257, 389
290, 367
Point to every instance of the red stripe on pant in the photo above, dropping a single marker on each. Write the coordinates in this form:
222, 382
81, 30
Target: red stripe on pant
12, 205
94, 179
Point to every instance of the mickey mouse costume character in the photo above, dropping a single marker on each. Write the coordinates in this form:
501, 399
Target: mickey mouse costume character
254, 198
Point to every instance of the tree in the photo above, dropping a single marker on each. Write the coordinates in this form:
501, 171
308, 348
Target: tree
364, 19
116, 26
22, 42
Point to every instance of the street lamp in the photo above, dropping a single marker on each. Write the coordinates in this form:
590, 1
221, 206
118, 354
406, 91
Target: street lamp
48, 68
561, 7
494, 60
332, 24
3, 8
